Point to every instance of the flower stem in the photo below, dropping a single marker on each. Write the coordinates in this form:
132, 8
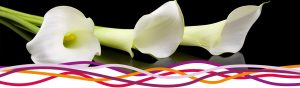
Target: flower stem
28, 17
26, 24
206, 36
115, 38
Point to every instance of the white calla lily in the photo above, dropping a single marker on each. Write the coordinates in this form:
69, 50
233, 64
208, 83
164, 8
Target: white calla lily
158, 33
224, 36
65, 35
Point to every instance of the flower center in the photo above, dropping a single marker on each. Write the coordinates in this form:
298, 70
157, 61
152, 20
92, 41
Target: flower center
69, 40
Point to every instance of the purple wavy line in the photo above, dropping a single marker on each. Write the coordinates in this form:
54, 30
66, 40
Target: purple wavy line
256, 78
160, 85
272, 83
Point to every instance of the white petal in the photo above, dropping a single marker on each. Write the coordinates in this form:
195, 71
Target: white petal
160, 32
237, 25
224, 36
47, 46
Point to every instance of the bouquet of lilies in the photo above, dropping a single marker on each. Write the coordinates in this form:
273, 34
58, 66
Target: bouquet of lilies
64, 34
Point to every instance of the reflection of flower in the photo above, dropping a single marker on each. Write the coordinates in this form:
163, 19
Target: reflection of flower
224, 36
65, 35
158, 33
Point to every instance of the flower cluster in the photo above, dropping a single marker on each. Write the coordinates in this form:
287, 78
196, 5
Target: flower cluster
65, 34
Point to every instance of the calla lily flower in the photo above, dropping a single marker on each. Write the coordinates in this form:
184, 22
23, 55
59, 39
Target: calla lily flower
224, 36
65, 35
158, 33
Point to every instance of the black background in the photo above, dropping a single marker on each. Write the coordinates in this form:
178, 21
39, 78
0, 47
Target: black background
272, 40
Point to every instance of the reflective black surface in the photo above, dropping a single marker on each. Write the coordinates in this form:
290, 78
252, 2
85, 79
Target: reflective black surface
110, 56
272, 40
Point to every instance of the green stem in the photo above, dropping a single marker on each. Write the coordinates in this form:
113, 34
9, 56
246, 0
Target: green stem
20, 21
37, 20
15, 29
28, 17
206, 36
115, 38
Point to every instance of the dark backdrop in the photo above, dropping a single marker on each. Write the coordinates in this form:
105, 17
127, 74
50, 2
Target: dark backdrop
272, 40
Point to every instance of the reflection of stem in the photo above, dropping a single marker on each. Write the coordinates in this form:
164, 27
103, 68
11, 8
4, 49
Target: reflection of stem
111, 56
237, 58
15, 29
19, 26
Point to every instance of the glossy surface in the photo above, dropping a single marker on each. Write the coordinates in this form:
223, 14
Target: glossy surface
111, 56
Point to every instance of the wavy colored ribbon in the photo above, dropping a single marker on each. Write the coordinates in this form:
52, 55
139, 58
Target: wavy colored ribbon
83, 75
